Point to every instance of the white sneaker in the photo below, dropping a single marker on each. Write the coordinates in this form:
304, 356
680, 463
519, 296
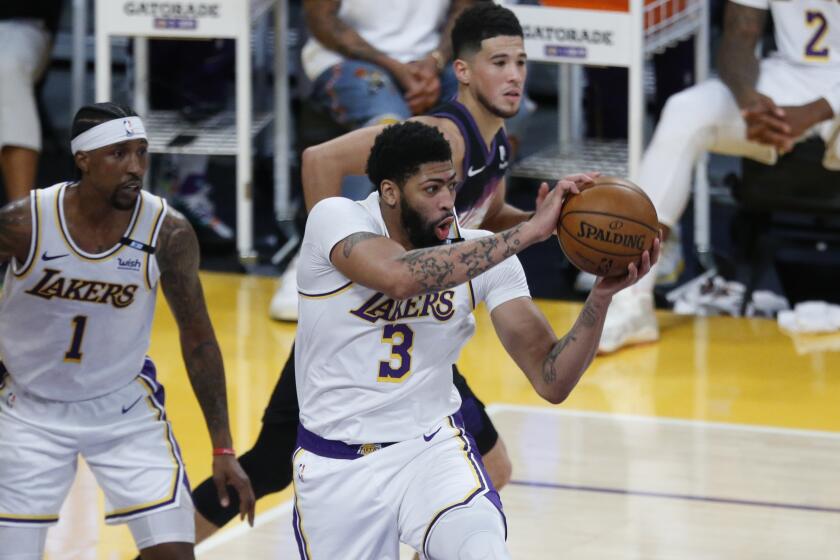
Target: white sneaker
284, 304
671, 261
630, 320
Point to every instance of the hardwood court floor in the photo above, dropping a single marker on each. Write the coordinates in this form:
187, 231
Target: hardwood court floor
722, 441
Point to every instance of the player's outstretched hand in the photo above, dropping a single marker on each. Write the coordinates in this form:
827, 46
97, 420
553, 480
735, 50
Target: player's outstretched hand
228, 472
548, 210
610, 285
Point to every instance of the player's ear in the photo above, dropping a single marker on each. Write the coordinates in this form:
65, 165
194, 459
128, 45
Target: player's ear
389, 192
462, 71
82, 161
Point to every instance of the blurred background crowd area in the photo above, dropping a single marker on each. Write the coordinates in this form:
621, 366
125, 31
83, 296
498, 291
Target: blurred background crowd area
196, 80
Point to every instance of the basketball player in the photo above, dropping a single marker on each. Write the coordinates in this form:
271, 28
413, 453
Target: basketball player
757, 109
86, 258
382, 454
490, 67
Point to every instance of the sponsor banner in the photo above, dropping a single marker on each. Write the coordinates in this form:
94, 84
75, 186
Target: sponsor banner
173, 18
578, 36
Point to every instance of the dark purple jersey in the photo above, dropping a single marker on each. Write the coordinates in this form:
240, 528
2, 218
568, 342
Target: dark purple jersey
483, 168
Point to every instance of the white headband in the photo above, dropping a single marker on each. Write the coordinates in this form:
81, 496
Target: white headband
107, 133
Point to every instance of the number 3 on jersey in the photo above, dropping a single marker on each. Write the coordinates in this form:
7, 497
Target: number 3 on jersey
401, 339
74, 353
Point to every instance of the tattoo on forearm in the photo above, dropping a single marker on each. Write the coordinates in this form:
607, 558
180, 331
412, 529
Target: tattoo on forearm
588, 315
587, 319
206, 372
352, 240
178, 257
550, 372
737, 63
440, 268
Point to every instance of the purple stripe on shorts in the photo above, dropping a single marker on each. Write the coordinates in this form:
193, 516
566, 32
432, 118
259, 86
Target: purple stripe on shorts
485, 484
29, 521
149, 376
149, 373
298, 532
492, 494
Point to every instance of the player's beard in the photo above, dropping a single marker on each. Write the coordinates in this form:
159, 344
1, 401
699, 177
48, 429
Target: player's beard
501, 113
420, 233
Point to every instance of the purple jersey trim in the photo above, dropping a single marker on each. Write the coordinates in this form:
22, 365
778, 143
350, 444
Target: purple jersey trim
467, 161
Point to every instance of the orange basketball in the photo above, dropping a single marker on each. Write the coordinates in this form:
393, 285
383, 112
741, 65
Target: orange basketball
607, 226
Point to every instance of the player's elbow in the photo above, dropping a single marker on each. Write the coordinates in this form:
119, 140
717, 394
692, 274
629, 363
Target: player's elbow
310, 159
555, 394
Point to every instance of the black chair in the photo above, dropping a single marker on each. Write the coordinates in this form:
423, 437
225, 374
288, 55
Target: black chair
793, 204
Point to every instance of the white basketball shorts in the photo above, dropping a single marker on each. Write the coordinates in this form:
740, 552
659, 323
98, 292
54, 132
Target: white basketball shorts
360, 501
124, 437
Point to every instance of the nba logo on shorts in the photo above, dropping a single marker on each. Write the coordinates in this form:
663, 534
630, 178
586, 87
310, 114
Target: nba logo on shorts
10, 400
129, 130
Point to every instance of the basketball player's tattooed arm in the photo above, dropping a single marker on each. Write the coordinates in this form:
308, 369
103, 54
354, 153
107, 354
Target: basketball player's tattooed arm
15, 230
383, 264
737, 64
553, 366
178, 257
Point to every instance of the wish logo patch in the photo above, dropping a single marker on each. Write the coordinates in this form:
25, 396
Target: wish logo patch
128, 264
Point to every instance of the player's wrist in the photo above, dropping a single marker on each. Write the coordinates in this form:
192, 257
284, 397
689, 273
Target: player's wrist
224, 452
748, 98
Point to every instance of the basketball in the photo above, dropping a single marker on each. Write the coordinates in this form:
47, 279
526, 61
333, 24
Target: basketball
607, 226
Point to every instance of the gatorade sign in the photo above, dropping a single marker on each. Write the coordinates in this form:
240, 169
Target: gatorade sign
174, 18
584, 32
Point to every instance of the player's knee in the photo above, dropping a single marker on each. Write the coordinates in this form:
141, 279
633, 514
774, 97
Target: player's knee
482, 545
167, 534
680, 114
476, 532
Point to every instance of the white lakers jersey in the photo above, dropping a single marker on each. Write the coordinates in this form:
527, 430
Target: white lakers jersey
371, 369
807, 31
75, 325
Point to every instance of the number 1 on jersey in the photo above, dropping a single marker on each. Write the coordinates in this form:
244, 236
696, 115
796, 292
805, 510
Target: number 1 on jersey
400, 350
74, 353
